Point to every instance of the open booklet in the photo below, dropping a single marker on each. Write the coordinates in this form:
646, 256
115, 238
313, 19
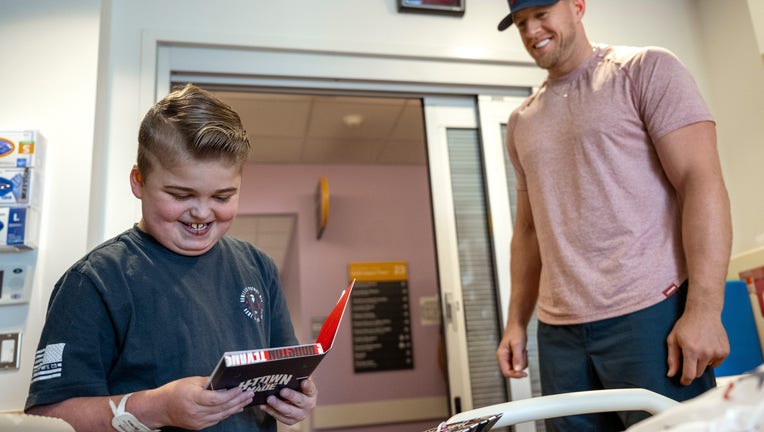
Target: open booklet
268, 370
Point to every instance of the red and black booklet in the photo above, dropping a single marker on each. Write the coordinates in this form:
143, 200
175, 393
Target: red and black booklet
268, 370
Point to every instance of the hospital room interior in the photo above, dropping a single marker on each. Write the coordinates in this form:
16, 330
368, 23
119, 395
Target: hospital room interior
378, 133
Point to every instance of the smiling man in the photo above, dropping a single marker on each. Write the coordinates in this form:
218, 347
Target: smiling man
622, 235
135, 327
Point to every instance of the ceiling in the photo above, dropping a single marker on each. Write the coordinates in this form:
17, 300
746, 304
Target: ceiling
321, 129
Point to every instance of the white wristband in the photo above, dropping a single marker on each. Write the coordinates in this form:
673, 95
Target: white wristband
123, 421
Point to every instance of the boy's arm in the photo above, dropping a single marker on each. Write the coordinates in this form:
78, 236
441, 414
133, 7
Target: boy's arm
183, 403
83, 414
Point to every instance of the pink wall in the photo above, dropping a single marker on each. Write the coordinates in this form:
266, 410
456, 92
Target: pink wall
376, 213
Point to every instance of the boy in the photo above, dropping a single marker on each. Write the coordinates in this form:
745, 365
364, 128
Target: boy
134, 328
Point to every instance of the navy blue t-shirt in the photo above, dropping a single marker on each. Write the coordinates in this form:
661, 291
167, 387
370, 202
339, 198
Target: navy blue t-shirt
132, 315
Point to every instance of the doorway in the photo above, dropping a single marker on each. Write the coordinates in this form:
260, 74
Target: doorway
371, 151
462, 391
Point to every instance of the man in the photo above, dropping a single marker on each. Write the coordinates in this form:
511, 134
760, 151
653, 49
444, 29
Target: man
622, 235
135, 327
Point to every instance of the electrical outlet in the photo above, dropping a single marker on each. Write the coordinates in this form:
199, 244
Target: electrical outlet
10, 347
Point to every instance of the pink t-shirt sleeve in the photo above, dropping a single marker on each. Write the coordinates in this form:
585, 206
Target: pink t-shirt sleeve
667, 96
512, 152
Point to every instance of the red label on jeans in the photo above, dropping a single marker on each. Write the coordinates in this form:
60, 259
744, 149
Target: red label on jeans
670, 290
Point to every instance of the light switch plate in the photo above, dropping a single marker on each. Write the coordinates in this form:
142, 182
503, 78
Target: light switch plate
10, 348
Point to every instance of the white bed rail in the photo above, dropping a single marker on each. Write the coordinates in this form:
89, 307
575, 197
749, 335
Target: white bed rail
584, 402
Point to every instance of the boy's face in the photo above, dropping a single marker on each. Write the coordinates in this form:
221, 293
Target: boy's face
189, 207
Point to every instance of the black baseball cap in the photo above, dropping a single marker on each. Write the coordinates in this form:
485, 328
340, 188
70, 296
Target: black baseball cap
518, 5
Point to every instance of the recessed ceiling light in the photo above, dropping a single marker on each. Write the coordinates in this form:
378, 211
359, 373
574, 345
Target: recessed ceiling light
352, 120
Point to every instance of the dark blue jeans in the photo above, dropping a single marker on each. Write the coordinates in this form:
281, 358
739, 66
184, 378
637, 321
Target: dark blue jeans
629, 351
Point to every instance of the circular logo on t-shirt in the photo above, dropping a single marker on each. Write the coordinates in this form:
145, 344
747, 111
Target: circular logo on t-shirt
252, 303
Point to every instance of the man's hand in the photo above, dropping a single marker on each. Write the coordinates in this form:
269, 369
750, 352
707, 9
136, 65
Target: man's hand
697, 341
292, 406
512, 354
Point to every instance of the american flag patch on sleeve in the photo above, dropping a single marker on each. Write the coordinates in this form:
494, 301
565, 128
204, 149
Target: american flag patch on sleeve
48, 362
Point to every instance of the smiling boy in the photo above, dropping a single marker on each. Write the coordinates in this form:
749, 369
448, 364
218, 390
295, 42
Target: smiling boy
134, 327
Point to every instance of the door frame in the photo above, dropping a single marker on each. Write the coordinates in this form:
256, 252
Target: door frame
170, 59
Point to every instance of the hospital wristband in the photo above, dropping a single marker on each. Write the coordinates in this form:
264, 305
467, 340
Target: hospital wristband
123, 421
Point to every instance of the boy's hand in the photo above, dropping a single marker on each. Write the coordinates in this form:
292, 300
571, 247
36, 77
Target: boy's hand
187, 404
292, 406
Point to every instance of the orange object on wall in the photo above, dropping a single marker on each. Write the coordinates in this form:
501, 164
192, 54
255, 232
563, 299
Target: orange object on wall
754, 279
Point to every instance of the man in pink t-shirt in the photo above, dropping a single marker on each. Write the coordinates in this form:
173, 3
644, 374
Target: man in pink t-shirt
622, 235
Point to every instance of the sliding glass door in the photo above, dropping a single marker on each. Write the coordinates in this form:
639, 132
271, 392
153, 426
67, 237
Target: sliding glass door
472, 186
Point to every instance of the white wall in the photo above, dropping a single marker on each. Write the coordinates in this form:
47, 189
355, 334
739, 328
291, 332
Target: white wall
736, 75
756, 8
670, 24
50, 81
341, 25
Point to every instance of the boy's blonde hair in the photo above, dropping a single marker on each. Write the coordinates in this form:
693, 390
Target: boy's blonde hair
190, 123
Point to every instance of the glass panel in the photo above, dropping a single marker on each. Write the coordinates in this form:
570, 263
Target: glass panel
532, 345
476, 267
511, 180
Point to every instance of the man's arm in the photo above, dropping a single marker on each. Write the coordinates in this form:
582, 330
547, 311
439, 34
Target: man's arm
525, 270
184, 403
691, 163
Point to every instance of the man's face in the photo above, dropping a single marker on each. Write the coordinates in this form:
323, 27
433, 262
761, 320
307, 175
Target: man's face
548, 33
189, 207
